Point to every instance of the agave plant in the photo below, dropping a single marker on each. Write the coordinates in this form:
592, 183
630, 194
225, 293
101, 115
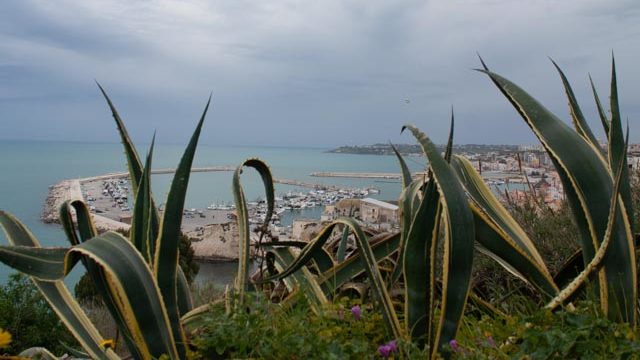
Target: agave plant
456, 200
139, 278
600, 206
437, 205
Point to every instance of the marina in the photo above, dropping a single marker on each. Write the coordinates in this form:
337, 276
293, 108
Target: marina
109, 198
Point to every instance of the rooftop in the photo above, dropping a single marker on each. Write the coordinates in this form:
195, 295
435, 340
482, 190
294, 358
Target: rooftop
379, 203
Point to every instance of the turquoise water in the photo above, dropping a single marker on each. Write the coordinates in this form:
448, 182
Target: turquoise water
30, 167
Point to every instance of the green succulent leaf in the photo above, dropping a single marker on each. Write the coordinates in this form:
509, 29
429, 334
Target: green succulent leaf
301, 279
594, 264
419, 264
166, 250
588, 185
370, 266
407, 205
57, 294
617, 147
135, 170
133, 160
342, 246
141, 234
242, 277
382, 246
601, 113
457, 224
498, 234
406, 173
85, 231
579, 121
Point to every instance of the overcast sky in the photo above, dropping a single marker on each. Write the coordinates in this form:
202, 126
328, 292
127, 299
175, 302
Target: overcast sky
305, 73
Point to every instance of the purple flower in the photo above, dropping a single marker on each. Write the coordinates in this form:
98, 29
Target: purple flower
384, 350
387, 349
356, 312
393, 345
454, 345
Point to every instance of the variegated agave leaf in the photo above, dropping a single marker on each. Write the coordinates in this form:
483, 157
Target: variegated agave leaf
457, 223
499, 236
242, 277
588, 184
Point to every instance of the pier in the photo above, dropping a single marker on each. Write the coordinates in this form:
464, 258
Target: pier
365, 175
122, 175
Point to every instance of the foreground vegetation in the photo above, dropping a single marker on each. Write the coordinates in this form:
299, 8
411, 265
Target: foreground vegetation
401, 294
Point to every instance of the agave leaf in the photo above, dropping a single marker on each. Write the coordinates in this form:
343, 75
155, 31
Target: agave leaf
133, 160
499, 235
617, 147
579, 122
418, 256
57, 295
86, 230
140, 300
150, 230
131, 280
458, 243
185, 302
302, 279
382, 245
342, 247
166, 250
419, 262
407, 206
307, 253
135, 169
406, 173
588, 186
242, 282
570, 289
569, 269
601, 113
449, 148
378, 286
322, 259
139, 233
370, 266
45, 264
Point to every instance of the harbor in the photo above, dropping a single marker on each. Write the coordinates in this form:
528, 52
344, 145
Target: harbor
212, 229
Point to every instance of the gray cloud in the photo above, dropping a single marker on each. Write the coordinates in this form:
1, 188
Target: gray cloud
303, 73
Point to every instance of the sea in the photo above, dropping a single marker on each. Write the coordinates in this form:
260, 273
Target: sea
28, 168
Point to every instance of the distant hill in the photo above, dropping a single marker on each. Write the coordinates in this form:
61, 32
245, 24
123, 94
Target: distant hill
414, 149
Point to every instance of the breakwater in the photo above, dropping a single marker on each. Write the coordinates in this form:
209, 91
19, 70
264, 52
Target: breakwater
365, 175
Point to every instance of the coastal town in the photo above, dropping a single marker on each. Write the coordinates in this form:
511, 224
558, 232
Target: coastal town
515, 174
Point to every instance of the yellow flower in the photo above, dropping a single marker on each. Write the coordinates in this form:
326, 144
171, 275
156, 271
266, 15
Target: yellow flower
5, 338
108, 344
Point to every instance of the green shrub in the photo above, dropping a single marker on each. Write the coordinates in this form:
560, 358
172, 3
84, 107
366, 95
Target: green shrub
269, 331
29, 318
582, 333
